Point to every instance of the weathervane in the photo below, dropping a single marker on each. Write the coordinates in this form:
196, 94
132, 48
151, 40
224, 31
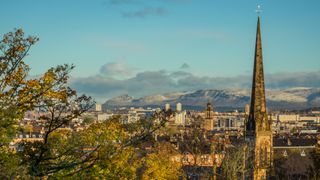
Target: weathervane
259, 9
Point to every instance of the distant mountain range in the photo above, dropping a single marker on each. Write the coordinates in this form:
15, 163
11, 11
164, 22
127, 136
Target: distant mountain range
224, 100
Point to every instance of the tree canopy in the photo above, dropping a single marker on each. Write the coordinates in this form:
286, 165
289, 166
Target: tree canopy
108, 149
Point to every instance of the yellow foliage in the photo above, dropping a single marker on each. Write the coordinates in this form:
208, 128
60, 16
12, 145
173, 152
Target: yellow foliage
160, 166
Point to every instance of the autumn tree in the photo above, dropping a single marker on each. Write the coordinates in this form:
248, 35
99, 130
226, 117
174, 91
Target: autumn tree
99, 152
160, 163
61, 105
13, 78
194, 142
19, 93
107, 150
113, 150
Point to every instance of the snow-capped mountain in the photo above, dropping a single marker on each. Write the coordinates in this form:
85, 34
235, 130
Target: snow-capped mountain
285, 99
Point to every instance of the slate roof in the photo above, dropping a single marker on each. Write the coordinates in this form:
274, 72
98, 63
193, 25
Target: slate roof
284, 142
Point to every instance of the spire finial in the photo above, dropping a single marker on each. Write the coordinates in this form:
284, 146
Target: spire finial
258, 9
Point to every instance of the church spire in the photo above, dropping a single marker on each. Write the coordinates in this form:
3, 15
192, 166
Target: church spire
258, 127
258, 119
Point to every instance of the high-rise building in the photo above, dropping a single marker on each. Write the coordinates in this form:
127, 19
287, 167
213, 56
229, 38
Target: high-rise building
167, 107
180, 117
179, 107
258, 127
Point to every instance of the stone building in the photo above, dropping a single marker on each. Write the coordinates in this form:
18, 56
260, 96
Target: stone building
209, 119
258, 128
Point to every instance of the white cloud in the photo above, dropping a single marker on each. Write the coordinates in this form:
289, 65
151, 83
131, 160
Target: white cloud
140, 84
117, 69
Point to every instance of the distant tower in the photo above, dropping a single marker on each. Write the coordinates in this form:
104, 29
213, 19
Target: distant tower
258, 127
209, 111
247, 109
98, 107
179, 107
167, 107
209, 121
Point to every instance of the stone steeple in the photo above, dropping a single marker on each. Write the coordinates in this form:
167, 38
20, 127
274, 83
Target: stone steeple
258, 119
258, 127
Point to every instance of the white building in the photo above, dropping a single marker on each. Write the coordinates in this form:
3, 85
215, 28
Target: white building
288, 118
315, 119
98, 107
180, 117
179, 107
167, 107
103, 116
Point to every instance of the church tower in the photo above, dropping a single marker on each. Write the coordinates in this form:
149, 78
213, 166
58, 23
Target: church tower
209, 119
258, 127
209, 111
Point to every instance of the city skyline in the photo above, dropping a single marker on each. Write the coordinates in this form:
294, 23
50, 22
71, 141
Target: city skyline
118, 46
159, 89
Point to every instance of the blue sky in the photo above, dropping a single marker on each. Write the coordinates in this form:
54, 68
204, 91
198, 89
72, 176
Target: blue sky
118, 40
